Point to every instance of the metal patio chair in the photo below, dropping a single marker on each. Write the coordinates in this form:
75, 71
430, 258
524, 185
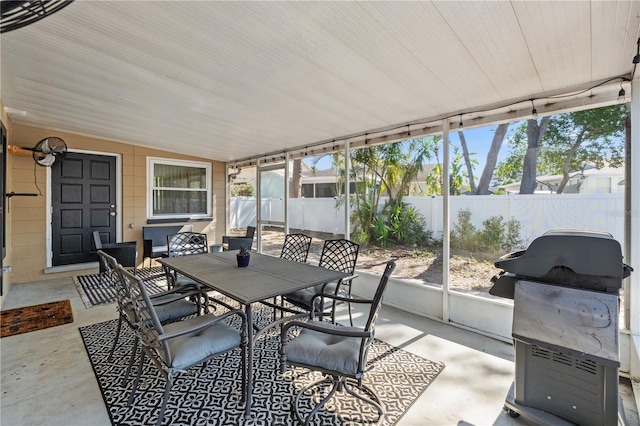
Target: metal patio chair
338, 255
185, 244
170, 305
296, 247
175, 348
339, 353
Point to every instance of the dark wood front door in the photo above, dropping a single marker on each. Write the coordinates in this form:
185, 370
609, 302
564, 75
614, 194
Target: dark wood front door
83, 200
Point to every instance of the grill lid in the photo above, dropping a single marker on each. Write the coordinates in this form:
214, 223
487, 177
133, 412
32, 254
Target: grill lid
568, 252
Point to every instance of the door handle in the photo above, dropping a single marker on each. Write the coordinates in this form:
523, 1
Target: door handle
112, 213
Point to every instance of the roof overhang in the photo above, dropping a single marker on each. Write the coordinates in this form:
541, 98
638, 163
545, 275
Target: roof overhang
231, 81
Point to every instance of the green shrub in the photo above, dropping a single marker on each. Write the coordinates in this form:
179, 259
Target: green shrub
380, 232
512, 240
359, 236
464, 234
495, 235
492, 235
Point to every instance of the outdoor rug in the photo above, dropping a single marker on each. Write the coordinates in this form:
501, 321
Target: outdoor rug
36, 317
95, 290
210, 395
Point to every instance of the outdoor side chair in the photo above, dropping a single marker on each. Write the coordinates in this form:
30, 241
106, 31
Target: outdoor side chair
175, 348
338, 352
185, 244
171, 305
296, 247
125, 252
239, 241
338, 255
188, 244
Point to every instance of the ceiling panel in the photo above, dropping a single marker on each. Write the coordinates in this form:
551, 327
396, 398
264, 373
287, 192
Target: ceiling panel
229, 80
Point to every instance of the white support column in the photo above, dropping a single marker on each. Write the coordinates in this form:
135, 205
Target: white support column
446, 243
227, 196
287, 188
258, 206
347, 191
632, 293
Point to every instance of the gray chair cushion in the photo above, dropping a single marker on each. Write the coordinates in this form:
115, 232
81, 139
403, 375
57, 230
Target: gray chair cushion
174, 310
303, 297
193, 348
329, 352
181, 280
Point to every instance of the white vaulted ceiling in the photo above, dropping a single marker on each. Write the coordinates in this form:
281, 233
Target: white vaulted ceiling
229, 80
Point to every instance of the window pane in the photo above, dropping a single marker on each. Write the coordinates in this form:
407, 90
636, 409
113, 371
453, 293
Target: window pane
179, 202
169, 176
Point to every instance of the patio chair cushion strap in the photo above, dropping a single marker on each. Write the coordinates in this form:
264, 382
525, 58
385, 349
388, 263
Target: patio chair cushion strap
193, 348
331, 353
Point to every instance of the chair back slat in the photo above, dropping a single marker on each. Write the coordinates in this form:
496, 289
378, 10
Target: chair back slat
339, 255
187, 243
296, 247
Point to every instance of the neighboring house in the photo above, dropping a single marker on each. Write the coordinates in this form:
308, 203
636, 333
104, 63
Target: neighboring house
315, 183
607, 180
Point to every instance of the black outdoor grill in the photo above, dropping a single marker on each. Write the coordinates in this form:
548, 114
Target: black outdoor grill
565, 288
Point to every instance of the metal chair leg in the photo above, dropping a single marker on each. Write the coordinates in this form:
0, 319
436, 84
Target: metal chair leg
167, 389
115, 341
131, 359
338, 384
137, 381
334, 388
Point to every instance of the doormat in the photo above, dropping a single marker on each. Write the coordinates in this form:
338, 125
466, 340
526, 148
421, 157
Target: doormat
210, 395
96, 290
36, 317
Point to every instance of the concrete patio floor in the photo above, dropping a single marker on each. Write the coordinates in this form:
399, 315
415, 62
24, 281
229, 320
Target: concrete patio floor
47, 378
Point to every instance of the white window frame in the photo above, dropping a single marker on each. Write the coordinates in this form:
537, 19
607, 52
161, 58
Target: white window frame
151, 162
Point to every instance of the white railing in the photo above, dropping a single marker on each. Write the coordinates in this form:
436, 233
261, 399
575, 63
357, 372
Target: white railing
536, 213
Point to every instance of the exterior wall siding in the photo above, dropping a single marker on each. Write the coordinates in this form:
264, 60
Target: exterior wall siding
27, 228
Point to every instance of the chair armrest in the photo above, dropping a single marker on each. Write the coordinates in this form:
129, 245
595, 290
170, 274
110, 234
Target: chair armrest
340, 282
340, 298
325, 328
212, 319
335, 298
175, 296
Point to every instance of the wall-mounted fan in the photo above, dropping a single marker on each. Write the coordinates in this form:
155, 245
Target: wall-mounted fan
47, 150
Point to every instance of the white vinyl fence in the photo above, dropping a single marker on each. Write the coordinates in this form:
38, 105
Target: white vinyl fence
536, 213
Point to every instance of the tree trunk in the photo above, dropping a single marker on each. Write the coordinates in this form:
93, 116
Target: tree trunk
467, 161
296, 187
567, 162
492, 159
535, 131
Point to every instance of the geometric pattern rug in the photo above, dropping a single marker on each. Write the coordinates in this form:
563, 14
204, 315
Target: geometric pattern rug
94, 290
210, 394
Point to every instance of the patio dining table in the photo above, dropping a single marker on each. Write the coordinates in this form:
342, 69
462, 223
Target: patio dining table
266, 277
